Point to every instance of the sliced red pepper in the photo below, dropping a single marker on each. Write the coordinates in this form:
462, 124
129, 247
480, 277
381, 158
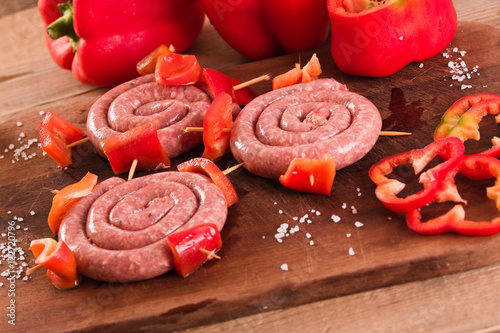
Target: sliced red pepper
387, 189
206, 167
309, 72
310, 175
55, 136
217, 124
190, 247
141, 144
452, 117
147, 65
67, 197
177, 69
219, 82
454, 219
59, 261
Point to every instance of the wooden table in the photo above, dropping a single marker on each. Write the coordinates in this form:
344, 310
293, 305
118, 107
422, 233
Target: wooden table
466, 301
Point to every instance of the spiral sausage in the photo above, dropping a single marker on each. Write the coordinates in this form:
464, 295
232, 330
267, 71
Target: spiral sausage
142, 101
305, 120
118, 232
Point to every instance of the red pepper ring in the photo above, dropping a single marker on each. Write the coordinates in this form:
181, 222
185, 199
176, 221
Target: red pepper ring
454, 219
452, 116
388, 189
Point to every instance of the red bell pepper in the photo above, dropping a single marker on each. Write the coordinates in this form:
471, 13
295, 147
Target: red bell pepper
59, 261
309, 72
112, 36
177, 69
454, 219
141, 144
190, 247
67, 197
453, 119
55, 136
206, 167
217, 124
147, 64
378, 38
310, 175
260, 29
388, 188
218, 82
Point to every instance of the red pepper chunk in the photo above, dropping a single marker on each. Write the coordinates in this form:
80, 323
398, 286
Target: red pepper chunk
55, 136
388, 188
59, 261
217, 124
141, 144
67, 197
147, 65
219, 82
309, 72
310, 175
190, 247
177, 69
206, 167
454, 219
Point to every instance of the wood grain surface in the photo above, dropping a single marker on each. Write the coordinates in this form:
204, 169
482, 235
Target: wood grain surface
249, 280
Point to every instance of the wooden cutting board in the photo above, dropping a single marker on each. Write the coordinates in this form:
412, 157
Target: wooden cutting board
367, 248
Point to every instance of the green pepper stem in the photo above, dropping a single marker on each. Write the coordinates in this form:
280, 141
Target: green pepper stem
63, 26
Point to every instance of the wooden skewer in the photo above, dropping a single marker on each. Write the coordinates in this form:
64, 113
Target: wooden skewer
231, 169
132, 169
79, 142
393, 133
382, 133
33, 269
245, 84
210, 254
311, 179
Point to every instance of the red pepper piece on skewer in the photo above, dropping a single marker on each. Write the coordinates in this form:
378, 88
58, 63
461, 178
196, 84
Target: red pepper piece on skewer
67, 197
59, 261
206, 167
189, 247
310, 175
217, 124
219, 82
177, 69
141, 144
147, 64
55, 136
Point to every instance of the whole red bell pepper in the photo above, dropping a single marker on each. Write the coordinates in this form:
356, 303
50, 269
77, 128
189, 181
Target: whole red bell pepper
193, 247
110, 37
260, 29
378, 38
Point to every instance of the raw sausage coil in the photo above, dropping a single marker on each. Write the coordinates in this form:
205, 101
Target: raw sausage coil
142, 101
118, 232
306, 120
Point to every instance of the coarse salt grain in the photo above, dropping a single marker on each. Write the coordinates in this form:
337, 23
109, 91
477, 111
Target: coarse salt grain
351, 251
19, 124
335, 218
348, 234
358, 224
284, 267
354, 210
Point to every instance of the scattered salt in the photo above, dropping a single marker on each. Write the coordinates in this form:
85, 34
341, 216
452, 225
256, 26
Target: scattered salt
19, 124
351, 251
284, 267
358, 224
348, 234
335, 218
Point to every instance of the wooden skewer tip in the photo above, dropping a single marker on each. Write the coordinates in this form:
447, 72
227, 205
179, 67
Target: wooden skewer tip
79, 142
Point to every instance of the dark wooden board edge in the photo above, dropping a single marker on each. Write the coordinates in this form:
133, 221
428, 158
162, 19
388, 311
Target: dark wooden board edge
202, 309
